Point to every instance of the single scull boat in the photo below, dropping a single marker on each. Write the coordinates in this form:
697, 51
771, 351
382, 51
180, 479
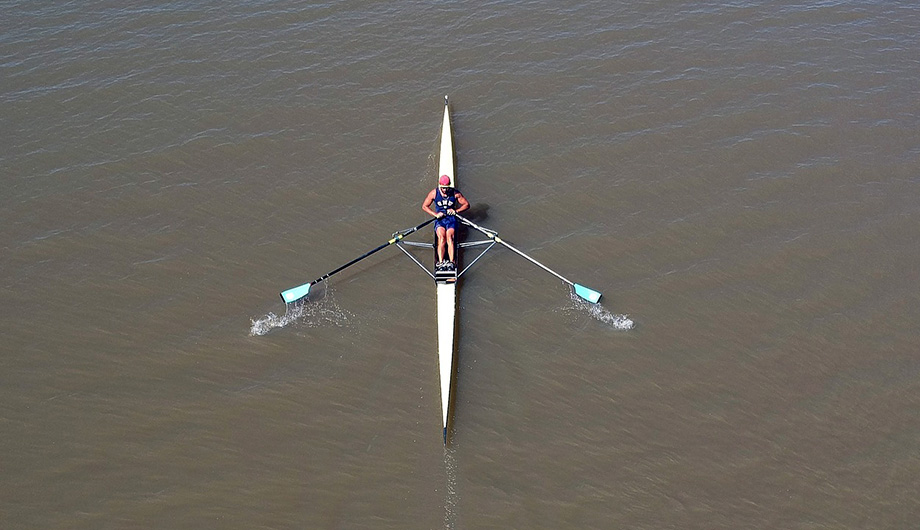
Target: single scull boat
446, 282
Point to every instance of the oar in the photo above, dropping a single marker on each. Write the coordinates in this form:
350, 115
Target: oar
296, 293
588, 294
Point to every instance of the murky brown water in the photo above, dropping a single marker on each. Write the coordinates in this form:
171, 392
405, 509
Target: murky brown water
739, 178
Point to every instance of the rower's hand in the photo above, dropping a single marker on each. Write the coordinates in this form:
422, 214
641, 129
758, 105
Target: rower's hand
440, 215
451, 212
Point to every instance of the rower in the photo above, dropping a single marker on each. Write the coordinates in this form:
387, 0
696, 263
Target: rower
447, 202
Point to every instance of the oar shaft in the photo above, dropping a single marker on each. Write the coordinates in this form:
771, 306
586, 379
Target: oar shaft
494, 236
398, 237
297, 293
352, 262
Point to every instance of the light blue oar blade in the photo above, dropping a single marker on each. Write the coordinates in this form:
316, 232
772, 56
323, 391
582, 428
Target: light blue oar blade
292, 295
588, 294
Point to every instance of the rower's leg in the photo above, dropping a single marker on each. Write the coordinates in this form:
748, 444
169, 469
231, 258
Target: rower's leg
441, 243
450, 244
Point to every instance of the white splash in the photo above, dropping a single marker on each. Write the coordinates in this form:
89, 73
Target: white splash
316, 310
598, 312
451, 501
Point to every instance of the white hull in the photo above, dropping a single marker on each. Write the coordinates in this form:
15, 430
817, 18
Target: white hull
447, 313
446, 158
447, 292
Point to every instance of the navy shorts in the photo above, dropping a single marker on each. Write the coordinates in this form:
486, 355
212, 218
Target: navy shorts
448, 222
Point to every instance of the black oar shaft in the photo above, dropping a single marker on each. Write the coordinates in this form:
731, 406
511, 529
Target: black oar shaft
297, 293
350, 263
398, 237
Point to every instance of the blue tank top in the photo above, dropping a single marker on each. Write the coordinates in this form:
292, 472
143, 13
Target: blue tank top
442, 203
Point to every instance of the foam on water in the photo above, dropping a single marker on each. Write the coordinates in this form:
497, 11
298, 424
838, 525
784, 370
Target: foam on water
451, 500
598, 312
315, 310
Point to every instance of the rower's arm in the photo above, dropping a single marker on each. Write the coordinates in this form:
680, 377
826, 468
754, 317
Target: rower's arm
464, 204
426, 205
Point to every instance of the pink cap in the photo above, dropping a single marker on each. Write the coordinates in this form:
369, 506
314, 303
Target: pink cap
444, 180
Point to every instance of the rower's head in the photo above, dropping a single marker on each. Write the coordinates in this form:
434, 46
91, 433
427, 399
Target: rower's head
444, 181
